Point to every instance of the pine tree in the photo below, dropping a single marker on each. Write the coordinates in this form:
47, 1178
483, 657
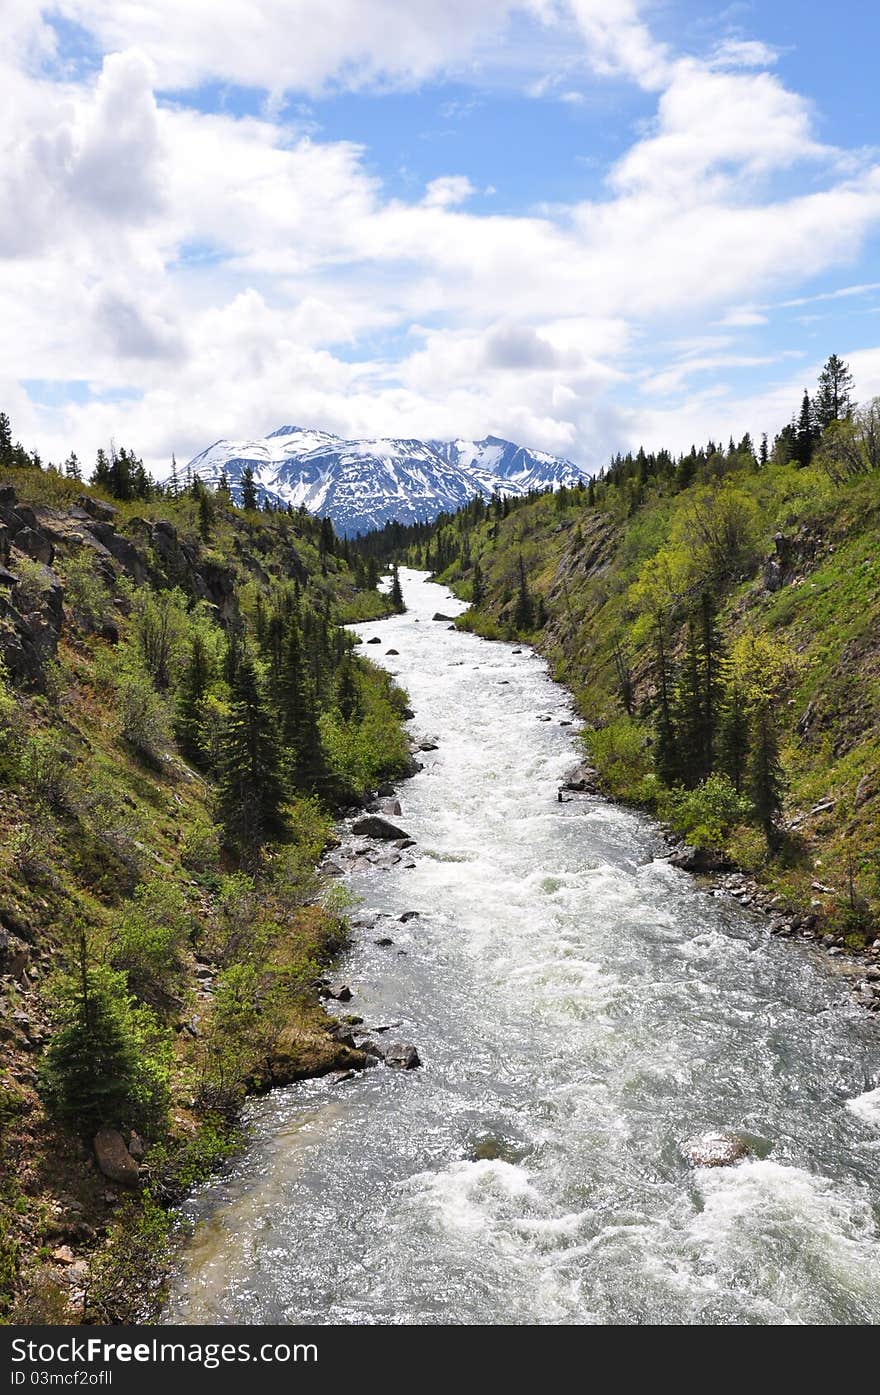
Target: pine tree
250, 793
101, 472
805, 437
712, 653
666, 759
6, 451
834, 396
765, 452
248, 489
72, 468
524, 614
690, 716
173, 481
348, 697
733, 736
223, 486
192, 695
765, 773
206, 515
95, 1073
395, 594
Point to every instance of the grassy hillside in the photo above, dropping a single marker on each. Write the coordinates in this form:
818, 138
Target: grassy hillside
180, 713
718, 620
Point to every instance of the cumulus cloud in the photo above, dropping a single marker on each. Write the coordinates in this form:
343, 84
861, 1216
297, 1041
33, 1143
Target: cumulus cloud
233, 273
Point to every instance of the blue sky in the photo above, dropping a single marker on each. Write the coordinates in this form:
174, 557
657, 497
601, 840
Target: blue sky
581, 225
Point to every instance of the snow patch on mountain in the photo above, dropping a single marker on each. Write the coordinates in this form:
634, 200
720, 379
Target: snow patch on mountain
366, 483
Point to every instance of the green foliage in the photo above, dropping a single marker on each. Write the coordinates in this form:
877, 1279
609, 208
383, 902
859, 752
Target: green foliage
148, 940
85, 592
127, 1281
706, 816
144, 719
621, 755
107, 1063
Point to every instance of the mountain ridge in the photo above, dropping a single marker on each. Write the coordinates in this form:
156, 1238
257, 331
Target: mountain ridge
364, 483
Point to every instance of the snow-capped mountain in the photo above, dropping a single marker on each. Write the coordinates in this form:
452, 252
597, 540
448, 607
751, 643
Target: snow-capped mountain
365, 484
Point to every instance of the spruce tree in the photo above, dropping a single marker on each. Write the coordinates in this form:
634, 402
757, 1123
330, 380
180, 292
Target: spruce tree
395, 594
6, 452
524, 614
250, 793
834, 395
765, 773
666, 761
690, 716
733, 736
248, 489
192, 695
805, 435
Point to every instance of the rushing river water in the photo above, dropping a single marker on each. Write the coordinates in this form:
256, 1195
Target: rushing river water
581, 1008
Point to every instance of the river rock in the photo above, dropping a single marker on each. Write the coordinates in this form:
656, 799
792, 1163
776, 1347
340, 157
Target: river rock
690, 859
374, 827
409, 915
438, 616
428, 746
390, 806
374, 640
582, 780
402, 1056
392, 651
114, 1159
714, 1150
384, 941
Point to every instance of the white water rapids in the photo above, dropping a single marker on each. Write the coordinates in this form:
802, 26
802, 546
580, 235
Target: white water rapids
581, 1008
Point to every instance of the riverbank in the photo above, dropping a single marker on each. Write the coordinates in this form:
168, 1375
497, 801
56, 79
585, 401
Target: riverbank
582, 1010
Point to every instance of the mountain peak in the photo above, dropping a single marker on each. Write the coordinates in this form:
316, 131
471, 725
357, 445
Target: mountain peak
363, 484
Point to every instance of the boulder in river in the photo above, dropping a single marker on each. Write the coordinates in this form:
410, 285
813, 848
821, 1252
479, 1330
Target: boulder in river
409, 915
392, 651
114, 1159
402, 1056
384, 941
437, 616
714, 1149
374, 827
374, 640
582, 780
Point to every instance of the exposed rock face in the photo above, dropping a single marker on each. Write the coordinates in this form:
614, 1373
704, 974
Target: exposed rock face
114, 1159
402, 1056
375, 827
714, 1150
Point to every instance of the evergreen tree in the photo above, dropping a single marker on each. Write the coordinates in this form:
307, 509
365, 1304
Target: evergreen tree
248, 489
173, 481
690, 716
524, 614
805, 437
206, 515
250, 793
96, 1073
666, 759
192, 695
733, 736
6, 452
765, 453
712, 654
395, 594
348, 697
223, 486
765, 773
834, 395
72, 468
101, 472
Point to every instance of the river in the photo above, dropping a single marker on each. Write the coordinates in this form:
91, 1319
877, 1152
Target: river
580, 1008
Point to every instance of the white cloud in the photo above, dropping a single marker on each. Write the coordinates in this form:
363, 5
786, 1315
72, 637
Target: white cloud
218, 266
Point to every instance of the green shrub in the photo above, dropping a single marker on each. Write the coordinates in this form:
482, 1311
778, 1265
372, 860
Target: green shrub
46, 768
620, 753
85, 592
705, 816
144, 719
200, 845
149, 939
128, 1278
32, 584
